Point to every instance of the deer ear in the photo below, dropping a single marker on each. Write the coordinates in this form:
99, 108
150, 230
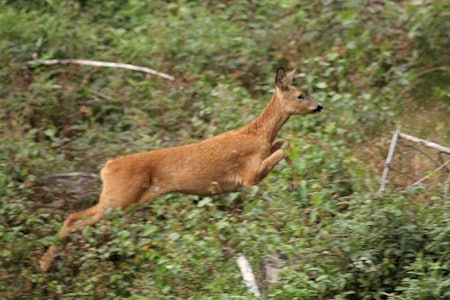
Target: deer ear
290, 76
280, 78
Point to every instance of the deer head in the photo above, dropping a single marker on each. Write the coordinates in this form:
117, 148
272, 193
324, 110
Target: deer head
293, 101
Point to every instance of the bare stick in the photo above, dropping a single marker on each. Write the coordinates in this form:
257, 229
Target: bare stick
247, 274
94, 63
440, 68
73, 174
392, 295
389, 159
446, 188
425, 143
436, 170
38, 47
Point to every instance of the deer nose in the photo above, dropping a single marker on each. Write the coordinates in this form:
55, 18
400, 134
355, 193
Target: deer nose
318, 108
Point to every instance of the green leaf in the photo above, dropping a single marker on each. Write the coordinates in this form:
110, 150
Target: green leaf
205, 201
322, 85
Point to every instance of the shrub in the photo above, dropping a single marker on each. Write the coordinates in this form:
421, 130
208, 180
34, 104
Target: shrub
342, 241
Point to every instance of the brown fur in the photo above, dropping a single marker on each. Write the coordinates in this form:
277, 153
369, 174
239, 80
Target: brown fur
217, 165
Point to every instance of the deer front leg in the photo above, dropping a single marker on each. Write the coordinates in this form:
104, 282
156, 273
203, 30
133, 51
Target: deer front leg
279, 143
268, 164
277, 146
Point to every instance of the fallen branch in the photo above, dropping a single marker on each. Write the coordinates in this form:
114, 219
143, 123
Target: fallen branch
392, 295
447, 185
397, 135
247, 274
428, 176
432, 69
72, 174
424, 142
387, 164
94, 63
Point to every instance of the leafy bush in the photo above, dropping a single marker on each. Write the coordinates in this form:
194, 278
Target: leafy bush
377, 246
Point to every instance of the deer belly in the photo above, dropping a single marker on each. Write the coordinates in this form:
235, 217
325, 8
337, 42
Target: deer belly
208, 186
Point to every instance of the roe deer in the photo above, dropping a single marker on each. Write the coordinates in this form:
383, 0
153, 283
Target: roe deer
220, 164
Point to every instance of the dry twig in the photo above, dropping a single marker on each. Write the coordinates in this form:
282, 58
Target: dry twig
439, 166
425, 143
428, 176
72, 174
247, 274
432, 69
95, 63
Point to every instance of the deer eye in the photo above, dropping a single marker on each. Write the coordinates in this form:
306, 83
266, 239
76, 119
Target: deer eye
301, 97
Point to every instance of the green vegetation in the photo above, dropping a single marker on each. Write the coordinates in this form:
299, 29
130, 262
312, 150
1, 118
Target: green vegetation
372, 64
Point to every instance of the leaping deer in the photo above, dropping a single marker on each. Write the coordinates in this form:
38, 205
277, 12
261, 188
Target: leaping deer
220, 164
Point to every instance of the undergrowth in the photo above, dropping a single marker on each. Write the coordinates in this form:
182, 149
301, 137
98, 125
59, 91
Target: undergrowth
363, 61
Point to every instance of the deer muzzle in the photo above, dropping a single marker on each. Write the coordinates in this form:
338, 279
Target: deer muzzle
318, 108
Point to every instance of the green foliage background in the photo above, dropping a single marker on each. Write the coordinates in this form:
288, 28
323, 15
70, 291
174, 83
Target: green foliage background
372, 64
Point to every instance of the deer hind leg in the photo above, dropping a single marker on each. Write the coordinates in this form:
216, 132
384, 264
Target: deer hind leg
152, 193
115, 193
87, 217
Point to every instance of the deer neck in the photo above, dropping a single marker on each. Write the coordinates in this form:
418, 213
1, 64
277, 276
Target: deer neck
270, 121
